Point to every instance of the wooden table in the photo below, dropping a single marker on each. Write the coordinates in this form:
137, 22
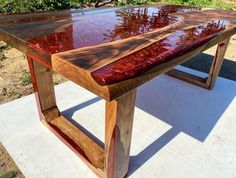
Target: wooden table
111, 52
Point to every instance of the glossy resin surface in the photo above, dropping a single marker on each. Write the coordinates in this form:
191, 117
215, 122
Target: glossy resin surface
162, 51
93, 29
110, 45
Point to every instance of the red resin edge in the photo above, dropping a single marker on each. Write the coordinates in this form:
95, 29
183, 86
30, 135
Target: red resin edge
160, 52
69, 141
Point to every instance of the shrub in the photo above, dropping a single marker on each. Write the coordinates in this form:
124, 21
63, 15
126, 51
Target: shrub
12, 6
59, 4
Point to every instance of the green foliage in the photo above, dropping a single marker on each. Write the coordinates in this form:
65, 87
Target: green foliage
12, 6
2, 56
192, 2
26, 79
31, 6
204, 3
59, 4
130, 2
4, 47
12, 174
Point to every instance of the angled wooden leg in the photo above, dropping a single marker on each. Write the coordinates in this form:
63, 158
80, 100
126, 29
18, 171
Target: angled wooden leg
89, 151
119, 122
209, 81
217, 63
109, 163
42, 81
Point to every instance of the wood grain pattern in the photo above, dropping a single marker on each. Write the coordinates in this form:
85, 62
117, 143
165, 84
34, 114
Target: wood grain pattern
113, 91
91, 58
195, 80
44, 89
119, 123
78, 64
51, 114
116, 90
82, 62
159, 52
74, 147
217, 63
93, 151
44, 31
94, 57
45, 86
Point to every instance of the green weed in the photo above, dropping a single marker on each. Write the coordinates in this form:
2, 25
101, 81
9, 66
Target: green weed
2, 56
26, 79
12, 174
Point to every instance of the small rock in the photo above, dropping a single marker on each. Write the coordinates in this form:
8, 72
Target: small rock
4, 91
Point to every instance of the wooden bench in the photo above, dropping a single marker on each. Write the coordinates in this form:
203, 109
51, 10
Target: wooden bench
111, 52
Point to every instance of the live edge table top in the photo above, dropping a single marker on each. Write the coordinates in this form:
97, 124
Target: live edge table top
111, 51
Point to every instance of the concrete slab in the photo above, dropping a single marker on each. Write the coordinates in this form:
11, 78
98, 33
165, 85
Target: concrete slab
180, 130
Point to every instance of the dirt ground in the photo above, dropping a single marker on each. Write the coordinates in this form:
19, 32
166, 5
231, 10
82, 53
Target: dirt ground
14, 74
15, 83
8, 169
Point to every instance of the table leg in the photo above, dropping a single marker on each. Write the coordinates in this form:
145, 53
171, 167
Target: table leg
119, 122
217, 63
42, 81
209, 81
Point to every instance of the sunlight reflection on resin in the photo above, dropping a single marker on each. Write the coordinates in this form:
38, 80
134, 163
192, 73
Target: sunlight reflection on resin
98, 28
162, 51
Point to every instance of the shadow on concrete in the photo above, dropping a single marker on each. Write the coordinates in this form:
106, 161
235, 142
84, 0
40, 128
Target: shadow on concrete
203, 63
69, 114
189, 109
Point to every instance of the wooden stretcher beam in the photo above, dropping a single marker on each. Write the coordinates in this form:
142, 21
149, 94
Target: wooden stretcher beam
190, 78
91, 149
209, 81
